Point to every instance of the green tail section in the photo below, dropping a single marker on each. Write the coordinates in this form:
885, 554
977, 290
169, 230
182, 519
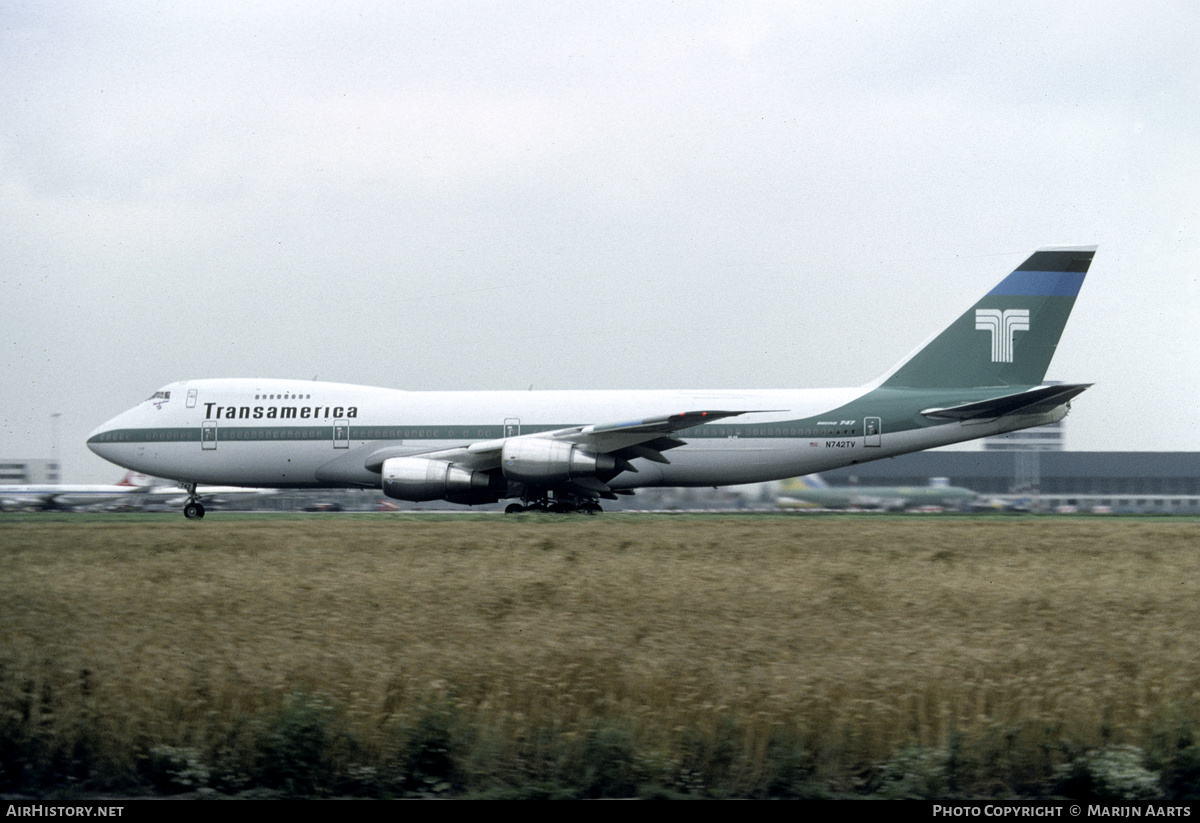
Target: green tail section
1008, 337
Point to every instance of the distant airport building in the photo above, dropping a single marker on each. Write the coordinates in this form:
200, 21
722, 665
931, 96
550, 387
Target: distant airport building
28, 472
1047, 438
1166, 482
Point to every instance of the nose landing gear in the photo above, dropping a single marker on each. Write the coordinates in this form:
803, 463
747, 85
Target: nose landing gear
193, 509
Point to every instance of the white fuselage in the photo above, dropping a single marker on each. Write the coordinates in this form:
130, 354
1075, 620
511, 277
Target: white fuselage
289, 433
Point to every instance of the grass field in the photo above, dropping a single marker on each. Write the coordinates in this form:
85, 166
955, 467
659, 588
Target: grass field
617, 655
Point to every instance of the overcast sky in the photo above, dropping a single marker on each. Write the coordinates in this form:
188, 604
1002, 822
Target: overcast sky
499, 195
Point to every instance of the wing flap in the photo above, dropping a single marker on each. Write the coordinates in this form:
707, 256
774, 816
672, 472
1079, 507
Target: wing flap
587, 486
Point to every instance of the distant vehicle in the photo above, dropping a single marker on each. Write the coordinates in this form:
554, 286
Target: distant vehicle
564, 451
324, 506
813, 491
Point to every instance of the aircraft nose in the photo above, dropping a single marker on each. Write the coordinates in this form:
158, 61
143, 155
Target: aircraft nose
102, 440
110, 439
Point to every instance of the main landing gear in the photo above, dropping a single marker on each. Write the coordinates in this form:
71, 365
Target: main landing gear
193, 509
556, 505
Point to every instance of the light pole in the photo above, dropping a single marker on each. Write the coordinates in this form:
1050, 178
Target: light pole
54, 446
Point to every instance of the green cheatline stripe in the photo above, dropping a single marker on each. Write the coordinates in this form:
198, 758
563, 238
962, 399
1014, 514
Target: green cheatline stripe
228, 434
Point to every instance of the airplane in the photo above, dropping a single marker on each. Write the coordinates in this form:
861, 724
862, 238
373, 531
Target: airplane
49, 496
812, 490
564, 451
135, 489
173, 495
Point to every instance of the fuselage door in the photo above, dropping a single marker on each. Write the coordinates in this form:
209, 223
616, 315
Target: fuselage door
341, 434
208, 434
512, 427
871, 431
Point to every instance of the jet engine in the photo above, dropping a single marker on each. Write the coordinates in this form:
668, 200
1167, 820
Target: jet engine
419, 478
539, 461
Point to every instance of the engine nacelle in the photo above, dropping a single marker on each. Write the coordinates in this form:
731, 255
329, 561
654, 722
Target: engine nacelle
419, 478
541, 461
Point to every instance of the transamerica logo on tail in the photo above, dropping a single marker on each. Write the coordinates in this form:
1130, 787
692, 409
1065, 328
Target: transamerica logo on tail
1002, 325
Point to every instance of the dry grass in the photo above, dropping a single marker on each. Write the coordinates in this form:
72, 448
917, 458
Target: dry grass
743, 655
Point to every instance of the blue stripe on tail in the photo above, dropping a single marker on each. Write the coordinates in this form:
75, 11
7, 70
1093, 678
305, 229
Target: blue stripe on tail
1040, 284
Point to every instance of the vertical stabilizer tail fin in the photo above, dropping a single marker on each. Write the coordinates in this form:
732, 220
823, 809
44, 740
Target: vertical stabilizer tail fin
1008, 337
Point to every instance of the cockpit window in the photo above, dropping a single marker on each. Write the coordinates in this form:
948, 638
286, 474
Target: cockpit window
160, 395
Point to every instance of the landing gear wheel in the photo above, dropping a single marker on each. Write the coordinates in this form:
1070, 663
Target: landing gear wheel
194, 509
563, 502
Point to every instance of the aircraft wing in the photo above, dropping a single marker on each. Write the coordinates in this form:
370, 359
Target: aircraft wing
580, 458
1034, 401
647, 438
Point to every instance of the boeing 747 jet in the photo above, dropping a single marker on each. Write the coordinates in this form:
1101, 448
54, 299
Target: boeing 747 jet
564, 451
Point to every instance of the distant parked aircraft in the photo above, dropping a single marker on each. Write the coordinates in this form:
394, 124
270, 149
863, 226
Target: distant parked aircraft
813, 491
134, 489
48, 496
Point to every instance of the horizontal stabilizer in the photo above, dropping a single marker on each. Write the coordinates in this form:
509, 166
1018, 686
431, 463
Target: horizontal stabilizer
1033, 401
